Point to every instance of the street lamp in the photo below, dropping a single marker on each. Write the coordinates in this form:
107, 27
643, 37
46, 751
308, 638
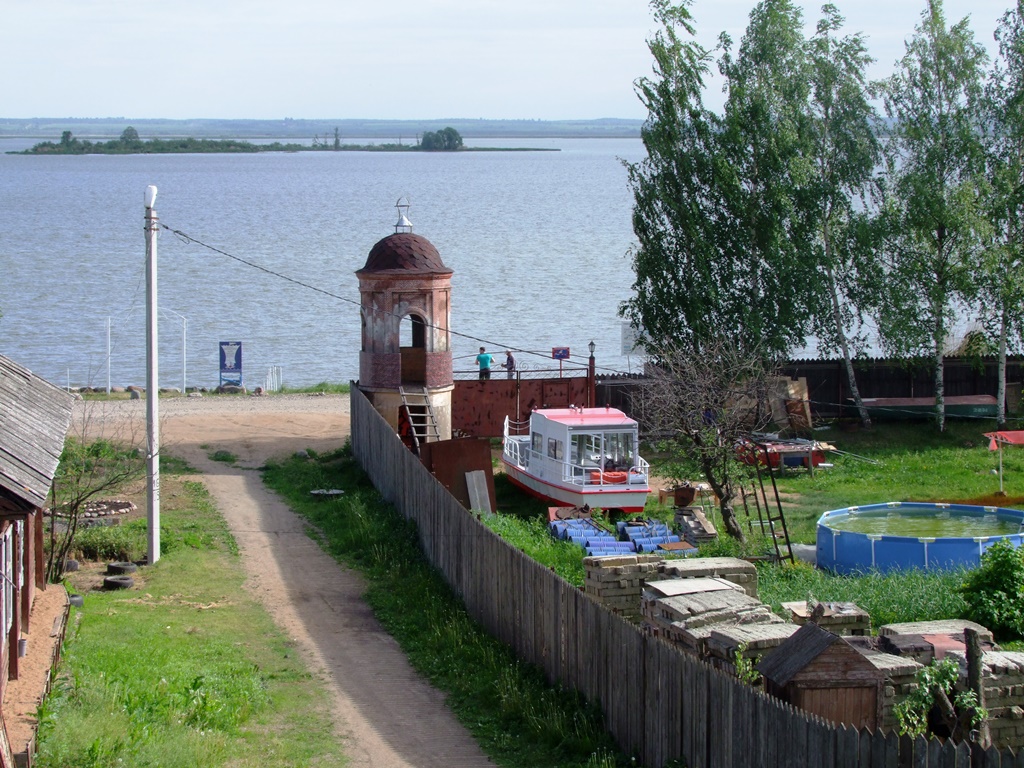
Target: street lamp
591, 381
152, 383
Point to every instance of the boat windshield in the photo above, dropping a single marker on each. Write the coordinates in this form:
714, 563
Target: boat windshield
603, 450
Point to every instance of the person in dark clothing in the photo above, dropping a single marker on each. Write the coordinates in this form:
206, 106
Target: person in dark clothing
509, 364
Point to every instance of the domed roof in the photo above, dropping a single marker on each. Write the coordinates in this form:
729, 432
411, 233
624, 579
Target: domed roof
405, 252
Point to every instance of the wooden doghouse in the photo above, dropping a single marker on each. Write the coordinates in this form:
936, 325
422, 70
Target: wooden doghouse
820, 672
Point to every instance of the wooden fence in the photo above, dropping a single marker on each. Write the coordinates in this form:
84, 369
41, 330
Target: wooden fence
829, 389
659, 703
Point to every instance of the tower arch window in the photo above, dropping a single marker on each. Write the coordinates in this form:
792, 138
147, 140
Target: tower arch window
414, 332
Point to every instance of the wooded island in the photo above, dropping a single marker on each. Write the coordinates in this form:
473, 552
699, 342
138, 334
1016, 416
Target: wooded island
129, 143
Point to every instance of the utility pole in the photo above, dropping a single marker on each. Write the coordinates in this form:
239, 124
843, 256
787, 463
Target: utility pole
152, 385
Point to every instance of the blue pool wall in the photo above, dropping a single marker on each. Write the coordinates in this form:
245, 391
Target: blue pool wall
847, 552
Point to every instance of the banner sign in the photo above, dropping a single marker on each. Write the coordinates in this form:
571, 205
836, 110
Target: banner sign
231, 362
560, 353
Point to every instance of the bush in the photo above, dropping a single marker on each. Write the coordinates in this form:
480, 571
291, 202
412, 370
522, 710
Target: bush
125, 542
994, 593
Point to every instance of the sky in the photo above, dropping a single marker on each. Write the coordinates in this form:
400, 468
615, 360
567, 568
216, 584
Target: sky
391, 59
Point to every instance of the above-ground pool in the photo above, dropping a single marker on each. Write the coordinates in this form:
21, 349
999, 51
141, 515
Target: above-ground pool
902, 535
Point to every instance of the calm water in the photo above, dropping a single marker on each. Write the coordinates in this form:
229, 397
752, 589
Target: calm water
538, 242
926, 522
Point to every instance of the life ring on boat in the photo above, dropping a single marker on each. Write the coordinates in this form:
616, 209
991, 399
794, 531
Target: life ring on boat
609, 478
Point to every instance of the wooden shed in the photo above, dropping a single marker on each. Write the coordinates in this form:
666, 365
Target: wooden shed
820, 672
34, 420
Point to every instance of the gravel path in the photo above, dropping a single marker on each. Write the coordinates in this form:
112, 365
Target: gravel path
386, 714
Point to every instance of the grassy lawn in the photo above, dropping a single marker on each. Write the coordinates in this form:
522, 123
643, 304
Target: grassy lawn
185, 669
909, 462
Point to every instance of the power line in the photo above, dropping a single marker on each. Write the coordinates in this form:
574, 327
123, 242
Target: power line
188, 239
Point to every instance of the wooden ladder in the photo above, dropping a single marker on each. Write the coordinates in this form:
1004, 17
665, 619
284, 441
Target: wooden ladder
767, 517
422, 420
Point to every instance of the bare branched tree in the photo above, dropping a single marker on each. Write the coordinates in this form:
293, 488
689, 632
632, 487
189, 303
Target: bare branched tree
99, 459
703, 405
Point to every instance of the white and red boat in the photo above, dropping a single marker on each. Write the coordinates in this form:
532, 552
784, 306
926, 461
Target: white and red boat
575, 457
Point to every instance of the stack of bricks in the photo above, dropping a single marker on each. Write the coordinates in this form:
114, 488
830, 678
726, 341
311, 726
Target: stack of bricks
899, 673
694, 526
837, 617
617, 581
1003, 676
686, 611
732, 569
756, 640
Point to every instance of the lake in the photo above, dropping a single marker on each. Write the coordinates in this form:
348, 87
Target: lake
538, 242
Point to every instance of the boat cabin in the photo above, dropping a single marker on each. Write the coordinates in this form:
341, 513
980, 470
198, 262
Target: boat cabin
568, 454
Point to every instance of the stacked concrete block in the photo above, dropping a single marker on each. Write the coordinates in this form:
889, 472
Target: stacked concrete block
687, 611
1003, 676
725, 641
939, 627
732, 569
837, 617
617, 581
694, 526
899, 673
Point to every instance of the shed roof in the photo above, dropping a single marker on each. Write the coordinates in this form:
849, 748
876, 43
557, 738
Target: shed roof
802, 647
34, 420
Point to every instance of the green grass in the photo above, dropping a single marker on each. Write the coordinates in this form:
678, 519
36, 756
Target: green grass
326, 387
518, 719
185, 669
915, 595
226, 457
912, 462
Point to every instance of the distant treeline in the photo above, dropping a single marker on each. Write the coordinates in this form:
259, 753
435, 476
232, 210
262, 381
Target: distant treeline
301, 129
129, 143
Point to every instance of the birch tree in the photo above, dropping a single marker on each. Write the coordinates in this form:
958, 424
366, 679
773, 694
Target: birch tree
933, 160
765, 233
1003, 260
844, 151
680, 272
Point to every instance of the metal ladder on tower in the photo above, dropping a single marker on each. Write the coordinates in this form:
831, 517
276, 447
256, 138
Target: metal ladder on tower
422, 421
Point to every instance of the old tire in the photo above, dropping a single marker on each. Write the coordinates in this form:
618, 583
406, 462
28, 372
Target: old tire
118, 582
76, 600
70, 565
119, 569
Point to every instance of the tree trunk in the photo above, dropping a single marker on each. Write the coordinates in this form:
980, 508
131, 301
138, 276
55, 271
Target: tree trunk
732, 525
723, 490
844, 345
940, 381
1001, 390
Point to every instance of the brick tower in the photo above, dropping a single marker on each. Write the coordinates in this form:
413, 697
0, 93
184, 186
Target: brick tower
405, 364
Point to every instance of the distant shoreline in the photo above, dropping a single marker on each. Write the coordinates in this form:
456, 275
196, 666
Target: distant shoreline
130, 143
288, 129
50, 149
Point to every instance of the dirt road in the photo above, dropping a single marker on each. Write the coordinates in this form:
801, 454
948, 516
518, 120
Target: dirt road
387, 716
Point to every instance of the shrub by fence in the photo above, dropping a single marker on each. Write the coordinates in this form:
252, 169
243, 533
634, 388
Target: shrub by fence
659, 703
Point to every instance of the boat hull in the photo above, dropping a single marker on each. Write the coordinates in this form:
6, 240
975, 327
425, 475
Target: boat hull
630, 499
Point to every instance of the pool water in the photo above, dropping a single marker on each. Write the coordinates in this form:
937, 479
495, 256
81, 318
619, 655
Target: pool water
926, 522
898, 536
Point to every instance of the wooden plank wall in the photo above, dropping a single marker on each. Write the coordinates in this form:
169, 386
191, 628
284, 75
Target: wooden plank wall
659, 703
828, 387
